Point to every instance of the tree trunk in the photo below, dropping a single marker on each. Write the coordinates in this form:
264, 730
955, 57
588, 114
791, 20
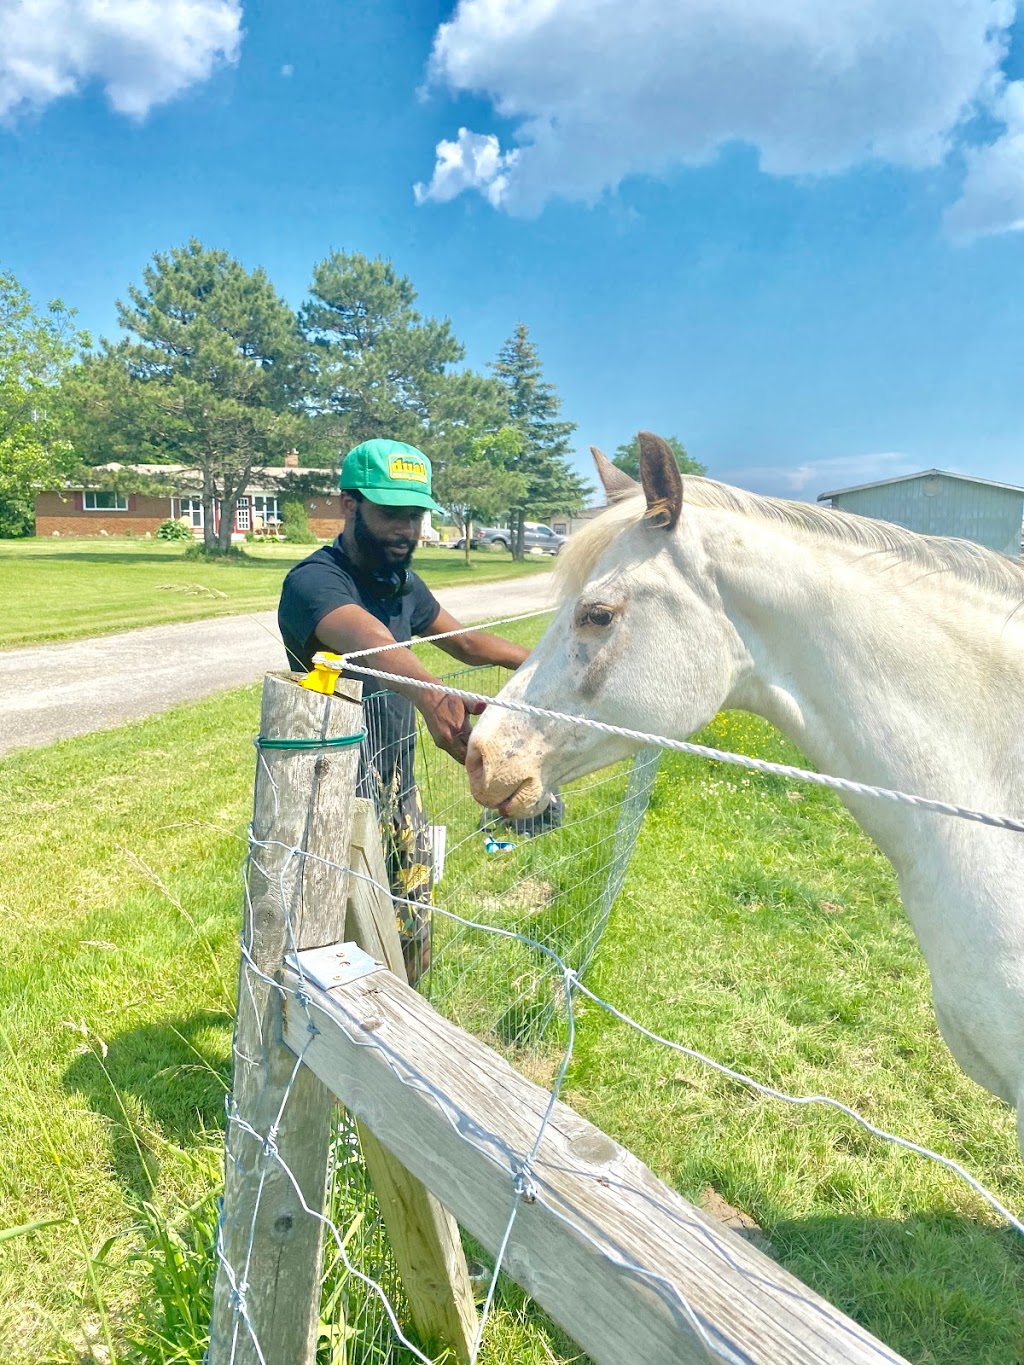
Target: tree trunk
467, 534
227, 521
518, 534
209, 504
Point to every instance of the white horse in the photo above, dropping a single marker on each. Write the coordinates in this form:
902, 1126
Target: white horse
887, 657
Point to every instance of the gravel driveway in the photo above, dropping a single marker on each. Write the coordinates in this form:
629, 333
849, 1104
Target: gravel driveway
56, 691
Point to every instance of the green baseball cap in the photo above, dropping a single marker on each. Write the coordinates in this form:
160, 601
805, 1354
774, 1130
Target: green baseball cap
390, 473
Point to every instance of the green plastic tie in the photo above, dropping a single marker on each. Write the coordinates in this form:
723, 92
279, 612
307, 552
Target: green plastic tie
337, 742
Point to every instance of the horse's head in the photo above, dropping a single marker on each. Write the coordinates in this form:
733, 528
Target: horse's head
641, 640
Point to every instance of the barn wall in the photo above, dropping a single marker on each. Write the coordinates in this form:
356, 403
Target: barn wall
937, 505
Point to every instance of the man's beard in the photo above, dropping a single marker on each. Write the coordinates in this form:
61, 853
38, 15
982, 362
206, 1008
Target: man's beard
375, 550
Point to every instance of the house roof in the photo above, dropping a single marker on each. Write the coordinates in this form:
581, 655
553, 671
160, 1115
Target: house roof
921, 474
263, 476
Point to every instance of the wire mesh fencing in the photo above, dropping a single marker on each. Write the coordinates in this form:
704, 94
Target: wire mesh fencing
552, 879
355, 1327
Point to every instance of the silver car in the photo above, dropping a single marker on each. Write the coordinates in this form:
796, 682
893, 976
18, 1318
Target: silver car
536, 536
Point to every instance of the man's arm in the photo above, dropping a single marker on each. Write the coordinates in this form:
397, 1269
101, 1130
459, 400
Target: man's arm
348, 629
475, 646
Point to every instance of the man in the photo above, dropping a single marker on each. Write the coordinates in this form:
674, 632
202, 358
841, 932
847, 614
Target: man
360, 592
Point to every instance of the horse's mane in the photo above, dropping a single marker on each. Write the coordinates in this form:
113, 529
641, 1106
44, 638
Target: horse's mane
946, 554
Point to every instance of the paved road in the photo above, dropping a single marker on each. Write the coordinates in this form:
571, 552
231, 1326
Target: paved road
55, 691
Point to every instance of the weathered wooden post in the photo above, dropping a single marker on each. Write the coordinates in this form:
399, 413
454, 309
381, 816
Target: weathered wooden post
267, 1293
270, 1253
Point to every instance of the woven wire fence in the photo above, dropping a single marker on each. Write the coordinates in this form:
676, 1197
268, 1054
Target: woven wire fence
355, 1328
553, 879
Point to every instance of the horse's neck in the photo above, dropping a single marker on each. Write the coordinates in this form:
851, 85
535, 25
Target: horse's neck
889, 675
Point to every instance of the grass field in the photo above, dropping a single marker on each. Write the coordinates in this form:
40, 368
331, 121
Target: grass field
757, 924
66, 590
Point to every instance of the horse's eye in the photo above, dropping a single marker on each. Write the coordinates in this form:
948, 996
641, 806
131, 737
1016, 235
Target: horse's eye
599, 616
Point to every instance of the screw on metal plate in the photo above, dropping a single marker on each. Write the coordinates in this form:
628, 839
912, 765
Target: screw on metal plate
335, 965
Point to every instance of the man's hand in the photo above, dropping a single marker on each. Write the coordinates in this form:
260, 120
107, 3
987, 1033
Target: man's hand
349, 628
448, 722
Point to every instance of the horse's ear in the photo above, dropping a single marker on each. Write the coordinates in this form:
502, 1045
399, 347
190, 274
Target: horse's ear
616, 482
662, 482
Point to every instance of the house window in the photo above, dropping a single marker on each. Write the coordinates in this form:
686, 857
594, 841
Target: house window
99, 501
193, 509
265, 505
243, 515
560, 528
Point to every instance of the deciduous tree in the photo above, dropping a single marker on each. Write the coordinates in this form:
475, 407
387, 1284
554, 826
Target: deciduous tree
627, 458
482, 482
36, 349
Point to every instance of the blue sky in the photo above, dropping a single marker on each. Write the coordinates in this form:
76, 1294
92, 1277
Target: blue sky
790, 232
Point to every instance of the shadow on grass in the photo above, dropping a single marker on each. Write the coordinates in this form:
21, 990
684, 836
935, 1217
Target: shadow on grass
939, 1288
164, 1081
102, 557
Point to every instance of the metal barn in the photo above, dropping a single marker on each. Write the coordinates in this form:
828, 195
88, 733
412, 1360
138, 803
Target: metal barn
937, 503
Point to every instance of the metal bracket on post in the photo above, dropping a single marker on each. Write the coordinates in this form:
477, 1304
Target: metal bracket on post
335, 965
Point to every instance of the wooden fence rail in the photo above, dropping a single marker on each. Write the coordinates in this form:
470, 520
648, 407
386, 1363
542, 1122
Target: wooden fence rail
611, 1253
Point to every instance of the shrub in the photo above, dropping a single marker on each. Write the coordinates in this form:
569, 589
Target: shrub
296, 524
173, 530
233, 554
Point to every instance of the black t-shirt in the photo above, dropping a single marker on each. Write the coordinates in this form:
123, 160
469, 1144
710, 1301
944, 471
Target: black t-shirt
315, 587
328, 579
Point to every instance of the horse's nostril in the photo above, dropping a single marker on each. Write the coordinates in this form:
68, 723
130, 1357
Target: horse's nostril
474, 764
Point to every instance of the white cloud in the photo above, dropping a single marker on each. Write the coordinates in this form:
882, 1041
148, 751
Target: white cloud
473, 162
599, 90
806, 480
993, 193
287, 69
142, 52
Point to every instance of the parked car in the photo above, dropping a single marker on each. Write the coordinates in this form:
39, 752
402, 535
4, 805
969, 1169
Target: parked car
537, 538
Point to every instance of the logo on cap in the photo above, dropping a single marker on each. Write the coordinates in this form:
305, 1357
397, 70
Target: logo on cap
406, 467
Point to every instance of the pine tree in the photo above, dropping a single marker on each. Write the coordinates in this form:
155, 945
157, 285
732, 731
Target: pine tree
212, 375
379, 364
534, 408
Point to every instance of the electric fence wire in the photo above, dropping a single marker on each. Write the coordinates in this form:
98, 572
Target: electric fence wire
643, 737
757, 765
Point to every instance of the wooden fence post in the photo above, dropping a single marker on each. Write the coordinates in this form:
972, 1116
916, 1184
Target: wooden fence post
267, 1289
266, 1308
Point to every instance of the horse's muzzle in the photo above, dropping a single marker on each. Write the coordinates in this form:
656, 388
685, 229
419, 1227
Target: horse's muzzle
498, 779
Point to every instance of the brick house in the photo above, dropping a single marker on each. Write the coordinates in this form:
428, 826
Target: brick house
72, 511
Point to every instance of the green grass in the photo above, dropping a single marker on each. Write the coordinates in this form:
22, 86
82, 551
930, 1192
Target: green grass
70, 589
757, 924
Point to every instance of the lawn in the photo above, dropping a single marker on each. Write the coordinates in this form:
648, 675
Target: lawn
757, 924
65, 590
